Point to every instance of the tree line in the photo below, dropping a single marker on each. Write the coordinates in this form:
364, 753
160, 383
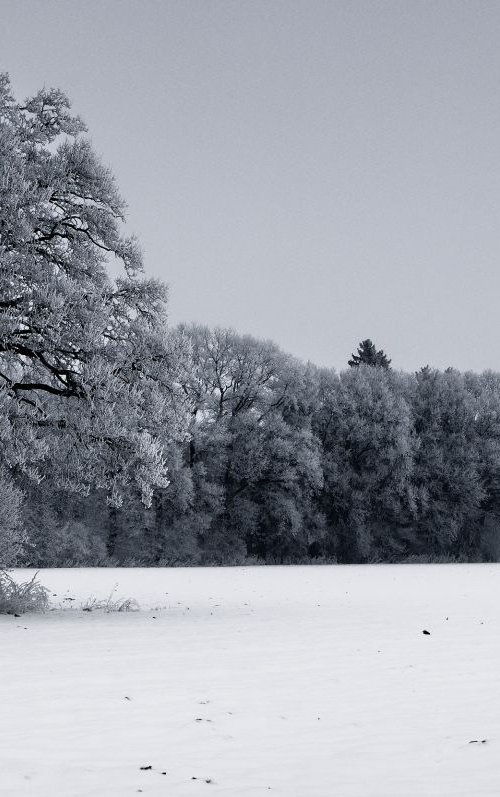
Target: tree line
126, 441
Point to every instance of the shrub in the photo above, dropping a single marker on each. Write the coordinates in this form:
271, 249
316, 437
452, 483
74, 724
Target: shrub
11, 533
16, 598
433, 559
67, 544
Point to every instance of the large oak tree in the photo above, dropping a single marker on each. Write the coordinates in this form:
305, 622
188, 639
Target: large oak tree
87, 369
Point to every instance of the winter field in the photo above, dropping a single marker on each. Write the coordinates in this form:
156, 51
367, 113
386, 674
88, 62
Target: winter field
292, 681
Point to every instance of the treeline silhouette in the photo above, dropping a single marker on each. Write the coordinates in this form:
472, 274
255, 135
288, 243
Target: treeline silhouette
288, 463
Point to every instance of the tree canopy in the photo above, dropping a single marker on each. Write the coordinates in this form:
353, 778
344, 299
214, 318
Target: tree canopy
74, 344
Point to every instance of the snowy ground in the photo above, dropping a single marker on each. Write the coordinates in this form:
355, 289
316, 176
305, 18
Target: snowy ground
297, 681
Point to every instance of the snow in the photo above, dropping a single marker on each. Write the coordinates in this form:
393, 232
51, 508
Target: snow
292, 681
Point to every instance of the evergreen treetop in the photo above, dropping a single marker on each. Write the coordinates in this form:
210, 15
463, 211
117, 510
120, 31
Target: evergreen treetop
368, 355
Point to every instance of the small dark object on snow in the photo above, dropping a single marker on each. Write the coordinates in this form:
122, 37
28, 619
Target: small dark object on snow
208, 780
193, 778
17, 615
127, 698
473, 741
163, 773
427, 633
147, 767
87, 609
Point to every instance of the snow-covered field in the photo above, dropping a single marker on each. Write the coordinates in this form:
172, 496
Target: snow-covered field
292, 681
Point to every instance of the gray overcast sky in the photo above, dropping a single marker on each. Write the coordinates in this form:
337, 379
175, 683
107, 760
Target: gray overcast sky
312, 172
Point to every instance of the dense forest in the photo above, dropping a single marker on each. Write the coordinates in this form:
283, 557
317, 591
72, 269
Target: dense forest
124, 441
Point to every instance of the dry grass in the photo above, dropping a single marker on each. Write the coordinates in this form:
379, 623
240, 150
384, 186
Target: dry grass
110, 604
30, 596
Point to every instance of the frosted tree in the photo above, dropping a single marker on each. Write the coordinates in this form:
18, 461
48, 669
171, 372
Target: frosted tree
365, 426
449, 480
255, 465
88, 374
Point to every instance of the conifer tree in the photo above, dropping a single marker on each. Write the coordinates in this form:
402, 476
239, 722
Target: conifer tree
368, 355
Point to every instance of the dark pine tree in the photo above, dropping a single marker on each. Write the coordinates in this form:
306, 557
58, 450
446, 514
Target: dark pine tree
368, 355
